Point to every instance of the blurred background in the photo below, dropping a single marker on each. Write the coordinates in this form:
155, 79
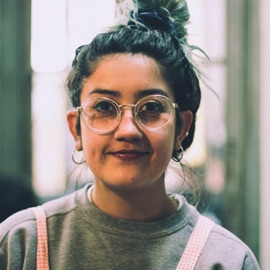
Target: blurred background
38, 39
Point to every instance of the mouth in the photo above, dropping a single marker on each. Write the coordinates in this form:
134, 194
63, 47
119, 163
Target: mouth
129, 155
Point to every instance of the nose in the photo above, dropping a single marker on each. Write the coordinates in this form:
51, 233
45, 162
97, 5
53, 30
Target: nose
128, 129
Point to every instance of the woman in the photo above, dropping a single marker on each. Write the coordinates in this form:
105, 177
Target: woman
136, 93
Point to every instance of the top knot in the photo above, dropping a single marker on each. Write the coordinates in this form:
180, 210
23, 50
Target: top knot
170, 16
145, 18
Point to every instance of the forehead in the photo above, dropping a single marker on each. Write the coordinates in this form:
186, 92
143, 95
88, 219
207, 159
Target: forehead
126, 75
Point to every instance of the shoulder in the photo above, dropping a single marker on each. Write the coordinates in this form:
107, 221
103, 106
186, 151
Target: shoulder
225, 249
227, 238
22, 220
17, 238
25, 220
64, 205
18, 232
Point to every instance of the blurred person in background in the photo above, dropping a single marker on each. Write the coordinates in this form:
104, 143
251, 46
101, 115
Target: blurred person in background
15, 195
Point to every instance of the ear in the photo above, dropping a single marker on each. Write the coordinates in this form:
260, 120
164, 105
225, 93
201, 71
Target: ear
72, 118
183, 128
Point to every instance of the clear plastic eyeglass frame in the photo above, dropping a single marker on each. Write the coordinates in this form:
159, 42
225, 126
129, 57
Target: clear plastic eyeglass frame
152, 100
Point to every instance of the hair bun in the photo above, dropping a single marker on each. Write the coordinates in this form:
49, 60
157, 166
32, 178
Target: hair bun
145, 18
175, 11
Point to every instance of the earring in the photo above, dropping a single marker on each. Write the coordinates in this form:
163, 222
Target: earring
178, 154
74, 160
181, 153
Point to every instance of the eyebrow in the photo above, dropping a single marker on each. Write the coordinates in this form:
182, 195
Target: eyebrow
139, 94
152, 91
102, 91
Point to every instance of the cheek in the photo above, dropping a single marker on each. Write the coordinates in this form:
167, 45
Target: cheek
92, 145
165, 144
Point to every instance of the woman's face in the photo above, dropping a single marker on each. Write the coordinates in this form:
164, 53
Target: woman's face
129, 158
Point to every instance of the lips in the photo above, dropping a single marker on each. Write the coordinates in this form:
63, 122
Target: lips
129, 155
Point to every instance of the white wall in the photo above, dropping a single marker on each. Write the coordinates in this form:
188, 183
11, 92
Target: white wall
58, 27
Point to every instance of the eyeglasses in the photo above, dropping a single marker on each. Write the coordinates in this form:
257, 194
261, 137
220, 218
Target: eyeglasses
102, 115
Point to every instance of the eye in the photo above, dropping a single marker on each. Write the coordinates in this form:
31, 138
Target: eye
104, 106
100, 108
152, 107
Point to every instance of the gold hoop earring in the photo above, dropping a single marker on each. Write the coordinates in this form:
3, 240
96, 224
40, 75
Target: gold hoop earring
74, 160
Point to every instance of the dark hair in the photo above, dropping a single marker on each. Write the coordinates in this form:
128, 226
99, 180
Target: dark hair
168, 48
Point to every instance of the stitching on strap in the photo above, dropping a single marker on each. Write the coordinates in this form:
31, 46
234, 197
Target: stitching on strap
42, 262
195, 244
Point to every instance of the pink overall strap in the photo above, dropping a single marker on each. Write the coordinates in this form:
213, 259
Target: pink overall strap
42, 239
195, 244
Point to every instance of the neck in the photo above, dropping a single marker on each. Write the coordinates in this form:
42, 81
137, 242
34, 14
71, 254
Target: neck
142, 205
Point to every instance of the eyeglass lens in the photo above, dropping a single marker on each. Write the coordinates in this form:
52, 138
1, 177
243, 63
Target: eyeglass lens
103, 114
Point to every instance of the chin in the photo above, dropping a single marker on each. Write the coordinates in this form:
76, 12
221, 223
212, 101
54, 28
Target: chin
131, 183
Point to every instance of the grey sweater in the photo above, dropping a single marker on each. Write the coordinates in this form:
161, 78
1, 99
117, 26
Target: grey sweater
82, 237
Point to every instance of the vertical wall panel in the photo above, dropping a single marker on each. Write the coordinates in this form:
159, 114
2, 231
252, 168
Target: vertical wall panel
242, 112
15, 87
264, 133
